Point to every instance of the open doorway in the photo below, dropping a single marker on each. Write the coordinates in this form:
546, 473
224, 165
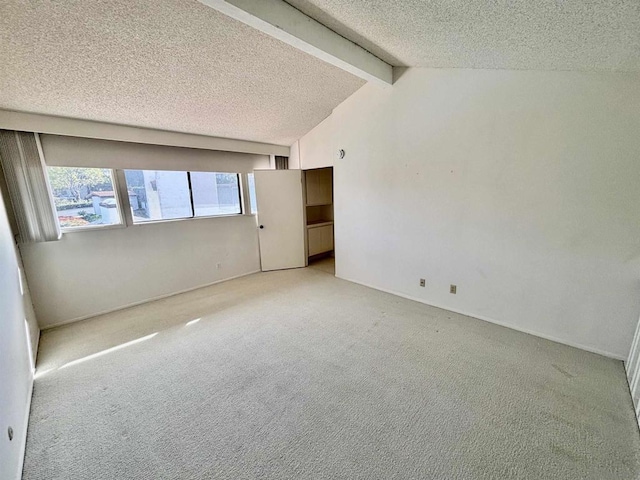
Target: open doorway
325, 264
318, 184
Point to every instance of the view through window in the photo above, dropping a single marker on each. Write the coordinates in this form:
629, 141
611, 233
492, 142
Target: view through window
252, 193
160, 195
215, 193
165, 195
84, 197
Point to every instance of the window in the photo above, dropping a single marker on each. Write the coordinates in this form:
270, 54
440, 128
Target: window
158, 195
252, 193
84, 197
215, 193
167, 195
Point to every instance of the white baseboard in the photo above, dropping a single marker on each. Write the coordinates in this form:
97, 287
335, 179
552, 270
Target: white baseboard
23, 446
135, 304
605, 353
37, 347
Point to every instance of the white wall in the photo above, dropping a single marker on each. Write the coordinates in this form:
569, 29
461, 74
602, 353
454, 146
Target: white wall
75, 127
294, 156
96, 271
315, 151
523, 188
34, 328
16, 375
89, 152
90, 272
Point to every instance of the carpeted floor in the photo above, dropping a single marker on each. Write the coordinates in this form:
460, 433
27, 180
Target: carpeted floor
299, 375
326, 264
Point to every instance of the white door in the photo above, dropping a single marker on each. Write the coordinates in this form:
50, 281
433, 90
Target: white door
280, 218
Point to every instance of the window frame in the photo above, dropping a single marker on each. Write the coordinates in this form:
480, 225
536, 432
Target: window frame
161, 220
120, 173
125, 215
250, 196
86, 228
240, 202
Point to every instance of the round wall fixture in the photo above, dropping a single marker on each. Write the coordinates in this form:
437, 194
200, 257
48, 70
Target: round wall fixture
341, 154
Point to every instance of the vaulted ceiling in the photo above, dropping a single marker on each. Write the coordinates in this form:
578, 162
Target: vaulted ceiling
180, 65
167, 64
586, 35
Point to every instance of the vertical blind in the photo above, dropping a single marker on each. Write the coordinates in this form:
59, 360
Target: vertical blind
282, 163
632, 365
27, 182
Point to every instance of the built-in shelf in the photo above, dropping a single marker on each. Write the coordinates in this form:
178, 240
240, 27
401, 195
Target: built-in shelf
319, 187
319, 223
319, 210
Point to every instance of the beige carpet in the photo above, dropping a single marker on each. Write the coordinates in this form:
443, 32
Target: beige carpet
327, 265
299, 375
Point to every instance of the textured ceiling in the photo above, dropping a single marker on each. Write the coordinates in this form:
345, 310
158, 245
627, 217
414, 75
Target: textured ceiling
167, 64
587, 35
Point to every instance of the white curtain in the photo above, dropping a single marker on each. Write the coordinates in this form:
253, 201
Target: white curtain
28, 185
632, 366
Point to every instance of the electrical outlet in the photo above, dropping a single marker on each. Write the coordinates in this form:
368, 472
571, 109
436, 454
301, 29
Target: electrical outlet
218, 266
453, 289
422, 282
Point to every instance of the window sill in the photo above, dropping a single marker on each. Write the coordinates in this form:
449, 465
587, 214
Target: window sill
95, 228
91, 228
173, 220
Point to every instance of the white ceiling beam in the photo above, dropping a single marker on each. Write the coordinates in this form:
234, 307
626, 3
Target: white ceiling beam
288, 24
